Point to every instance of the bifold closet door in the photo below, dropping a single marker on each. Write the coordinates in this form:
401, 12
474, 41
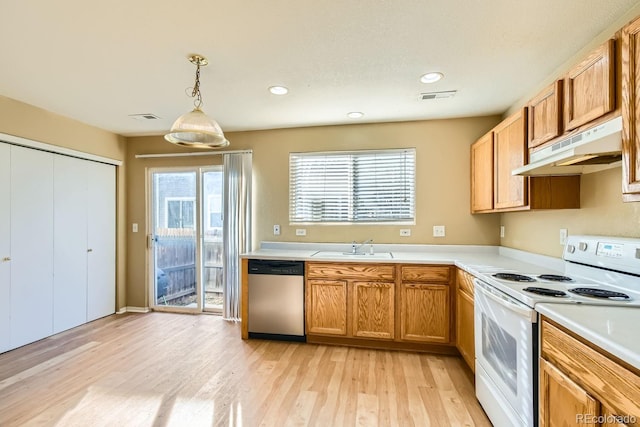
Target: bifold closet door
101, 289
70, 210
31, 245
5, 247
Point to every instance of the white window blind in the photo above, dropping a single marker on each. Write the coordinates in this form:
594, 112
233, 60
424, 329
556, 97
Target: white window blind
352, 187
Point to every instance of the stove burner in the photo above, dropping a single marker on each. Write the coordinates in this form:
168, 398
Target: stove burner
546, 292
555, 278
514, 277
599, 293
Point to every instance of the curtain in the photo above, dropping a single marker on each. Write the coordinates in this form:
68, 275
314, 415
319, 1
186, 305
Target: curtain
237, 227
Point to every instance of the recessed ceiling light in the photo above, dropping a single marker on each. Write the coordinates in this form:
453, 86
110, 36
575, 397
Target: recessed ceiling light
355, 115
431, 77
278, 90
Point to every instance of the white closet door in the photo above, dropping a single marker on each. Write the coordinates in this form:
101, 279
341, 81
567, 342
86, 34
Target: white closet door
101, 300
5, 248
31, 245
69, 243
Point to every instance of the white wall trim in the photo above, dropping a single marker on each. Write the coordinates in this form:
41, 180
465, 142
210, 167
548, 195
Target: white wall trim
129, 309
29, 143
201, 153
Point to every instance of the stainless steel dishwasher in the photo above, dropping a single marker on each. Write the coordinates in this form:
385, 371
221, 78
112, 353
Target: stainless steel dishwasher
276, 300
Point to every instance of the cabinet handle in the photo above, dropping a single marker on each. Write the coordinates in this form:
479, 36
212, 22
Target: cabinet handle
6, 258
89, 250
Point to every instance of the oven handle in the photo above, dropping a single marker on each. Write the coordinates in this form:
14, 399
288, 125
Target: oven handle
506, 301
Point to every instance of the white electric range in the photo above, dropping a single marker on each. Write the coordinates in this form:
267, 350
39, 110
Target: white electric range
597, 270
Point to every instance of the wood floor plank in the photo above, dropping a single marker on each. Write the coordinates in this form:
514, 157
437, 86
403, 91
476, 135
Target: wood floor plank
165, 369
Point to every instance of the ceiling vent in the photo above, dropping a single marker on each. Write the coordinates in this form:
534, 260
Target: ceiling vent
145, 116
437, 95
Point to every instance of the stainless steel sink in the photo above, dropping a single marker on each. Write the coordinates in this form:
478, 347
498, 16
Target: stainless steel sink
350, 255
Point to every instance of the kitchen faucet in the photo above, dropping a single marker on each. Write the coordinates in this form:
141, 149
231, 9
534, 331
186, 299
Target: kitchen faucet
355, 246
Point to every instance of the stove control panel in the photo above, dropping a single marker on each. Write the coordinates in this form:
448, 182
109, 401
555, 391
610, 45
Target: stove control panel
615, 253
612, 250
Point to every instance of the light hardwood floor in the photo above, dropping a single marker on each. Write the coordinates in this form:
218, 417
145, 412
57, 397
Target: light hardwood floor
163, 369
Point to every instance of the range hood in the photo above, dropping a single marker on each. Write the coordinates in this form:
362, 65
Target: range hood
594, 149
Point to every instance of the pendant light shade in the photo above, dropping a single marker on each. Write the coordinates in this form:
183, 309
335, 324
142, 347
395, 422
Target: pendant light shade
196, 129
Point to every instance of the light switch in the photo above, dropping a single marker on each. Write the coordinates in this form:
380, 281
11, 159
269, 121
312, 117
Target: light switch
134, 227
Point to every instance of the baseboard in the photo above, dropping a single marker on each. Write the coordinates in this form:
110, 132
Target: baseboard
133, 310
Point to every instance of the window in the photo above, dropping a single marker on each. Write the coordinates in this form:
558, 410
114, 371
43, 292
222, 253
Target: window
180, 212
352, 187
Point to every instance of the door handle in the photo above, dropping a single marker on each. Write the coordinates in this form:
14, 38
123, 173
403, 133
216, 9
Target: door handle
5, 259
89, 250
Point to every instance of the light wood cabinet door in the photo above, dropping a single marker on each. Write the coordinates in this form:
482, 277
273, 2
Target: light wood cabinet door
631, 112
545, 115
562, 401
590, 87
373, 310
510, 153
326, 307
482, 174
424, 312
465, 339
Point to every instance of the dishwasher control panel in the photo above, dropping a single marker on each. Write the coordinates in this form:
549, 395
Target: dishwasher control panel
276, 267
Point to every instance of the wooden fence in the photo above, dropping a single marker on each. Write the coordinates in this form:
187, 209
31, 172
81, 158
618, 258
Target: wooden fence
176, 256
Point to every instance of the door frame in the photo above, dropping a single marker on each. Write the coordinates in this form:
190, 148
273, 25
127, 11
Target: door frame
201, 214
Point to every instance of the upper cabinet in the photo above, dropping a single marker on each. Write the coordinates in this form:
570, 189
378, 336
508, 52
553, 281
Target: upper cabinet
495, 189
590, 87
509, 153
631, 112
545, 115
482, 174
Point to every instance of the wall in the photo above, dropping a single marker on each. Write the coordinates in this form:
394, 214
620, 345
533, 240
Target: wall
442, 184
602, 211
26, 121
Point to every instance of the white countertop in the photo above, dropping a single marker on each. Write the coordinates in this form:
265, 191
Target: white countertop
610, 328
614, 329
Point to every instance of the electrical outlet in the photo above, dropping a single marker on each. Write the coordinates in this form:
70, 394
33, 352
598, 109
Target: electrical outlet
276, 230
405, 232
563, 236
501, 231
301, 231
438, 231
134, 227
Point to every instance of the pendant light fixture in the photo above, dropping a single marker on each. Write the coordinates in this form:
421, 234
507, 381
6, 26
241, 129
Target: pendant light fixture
195, 128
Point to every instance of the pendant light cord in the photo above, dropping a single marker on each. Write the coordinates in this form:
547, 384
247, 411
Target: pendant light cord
196, 88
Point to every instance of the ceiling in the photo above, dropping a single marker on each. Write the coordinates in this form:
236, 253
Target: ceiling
100, 62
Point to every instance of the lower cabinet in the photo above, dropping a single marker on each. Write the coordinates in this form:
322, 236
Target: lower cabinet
581, 385
350, 300
373, 305
390, 303
465, 340
326, 306
424, 312
425, 304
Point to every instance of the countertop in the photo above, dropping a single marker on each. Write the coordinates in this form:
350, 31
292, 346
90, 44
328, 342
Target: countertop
614, 329
610, 328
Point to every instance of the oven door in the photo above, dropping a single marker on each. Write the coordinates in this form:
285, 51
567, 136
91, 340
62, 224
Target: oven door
506, 352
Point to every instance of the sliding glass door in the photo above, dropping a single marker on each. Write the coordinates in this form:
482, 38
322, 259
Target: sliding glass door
185, 244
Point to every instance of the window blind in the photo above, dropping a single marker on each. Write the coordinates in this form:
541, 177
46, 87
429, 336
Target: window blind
352, 187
